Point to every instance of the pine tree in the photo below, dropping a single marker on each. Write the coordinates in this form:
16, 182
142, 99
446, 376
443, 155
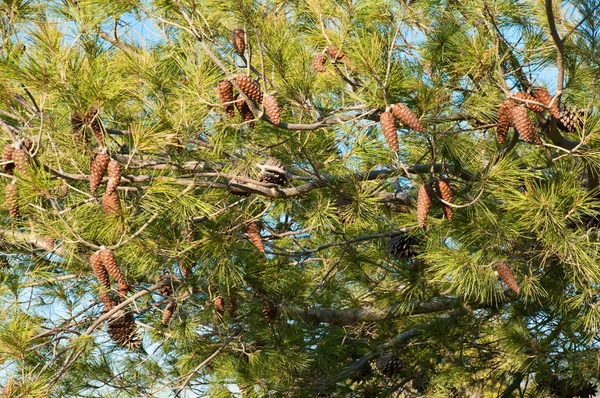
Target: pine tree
302, 248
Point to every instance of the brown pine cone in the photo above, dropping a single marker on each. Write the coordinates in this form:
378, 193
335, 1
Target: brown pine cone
318, 62
389, 364
109, 302
543, 96
123, 331
110, 203
528, 97
273, 171
98, 166
524, 126
386, 119
271, 108
63, 190
507, 276
7, 156
504, 120
407, 117
169, 311
244, 111
93, 120
12, 200
250, 87
21, 161
445, 192
225, 93
114, 175
254, 236
110, 262
423, 203
569, 118
238, 41
99, 269
336, 54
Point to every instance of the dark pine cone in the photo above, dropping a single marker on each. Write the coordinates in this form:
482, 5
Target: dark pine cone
570, 118
389, 364
273, 172
401, 246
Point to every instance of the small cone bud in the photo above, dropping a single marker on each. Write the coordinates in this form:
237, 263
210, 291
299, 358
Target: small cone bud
524, 126
407, 117
386, 119
445, 192
250, 87
12, 201
225, 93
255, 237
114, 176
504, 120
271, 108
109, 261
507, 276
423, 203
318, 62
543, 96
98, 166
530, 106
7, 156
238, 41
110, 203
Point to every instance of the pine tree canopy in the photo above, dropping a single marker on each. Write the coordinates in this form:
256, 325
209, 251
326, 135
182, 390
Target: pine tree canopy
299, 198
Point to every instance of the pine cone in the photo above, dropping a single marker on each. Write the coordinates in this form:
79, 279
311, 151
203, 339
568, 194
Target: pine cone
110, 203
407, 117
423, 203
318, 62
269, 310
225, 92
445, 192
98, 167
336, 54
401, 246
110, 262
99, 269
12, 200
543, 96
254, 236
524, 126
568, 119
528, 97
169, 311
386, 119
114, 176
184, 269
238, 41
271, 107
250, 87
504, 120
93, 120
21, 161
219, 304
123, 332
63, 190
389, 364
244, 111
505, 273
109, 302
7, 156
273, 171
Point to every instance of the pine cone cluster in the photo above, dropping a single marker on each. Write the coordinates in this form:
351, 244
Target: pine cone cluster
7, 159
254, 236
388, 126
401, 246
273, 171
407, 117
12, 200
238, 41
272, 109
389, 364
225, 93
507, 276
